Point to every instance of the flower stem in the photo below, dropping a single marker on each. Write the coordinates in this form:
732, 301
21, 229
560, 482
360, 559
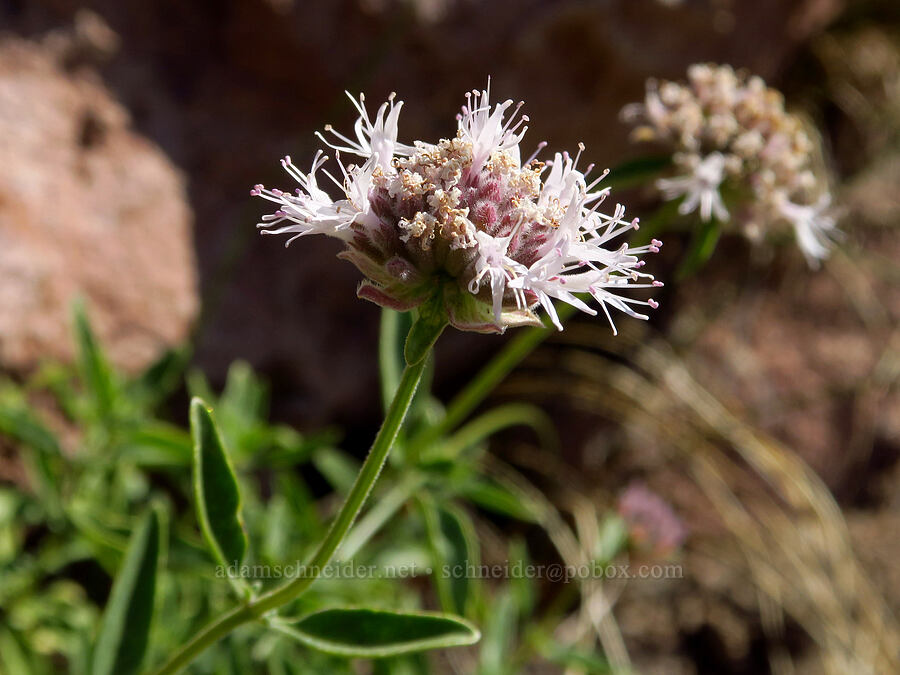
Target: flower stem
256, 608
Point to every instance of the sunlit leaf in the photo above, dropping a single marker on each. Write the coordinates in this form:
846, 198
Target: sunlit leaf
218, 498
577, 659
13, 658
92, 364
496, 498
158, 444
162, 377
41, 450
499, 633
375, 633
125, 627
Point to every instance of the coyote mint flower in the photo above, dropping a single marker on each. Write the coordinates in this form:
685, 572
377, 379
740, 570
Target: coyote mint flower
725, 127
464, 222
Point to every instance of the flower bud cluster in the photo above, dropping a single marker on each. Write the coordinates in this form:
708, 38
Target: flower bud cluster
464, 222
727, 128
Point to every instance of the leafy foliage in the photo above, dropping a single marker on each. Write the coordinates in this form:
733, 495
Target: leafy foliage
110, 507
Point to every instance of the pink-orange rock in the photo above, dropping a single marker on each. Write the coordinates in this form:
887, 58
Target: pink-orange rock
87, 208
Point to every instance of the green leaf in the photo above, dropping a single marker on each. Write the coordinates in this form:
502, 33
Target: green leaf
375, 633
522, 587
158, 444
496, 498
162, 377
408, 664
43, 457
13, 658
302, 505
499, 636
92, 364
483, 427
244, 395
454, 546
125, 627
218, 498
198, 385
576, 659
429, 323
702, 246
287, 448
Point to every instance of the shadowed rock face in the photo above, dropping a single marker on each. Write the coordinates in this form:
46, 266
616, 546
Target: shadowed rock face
226, 88
87, 208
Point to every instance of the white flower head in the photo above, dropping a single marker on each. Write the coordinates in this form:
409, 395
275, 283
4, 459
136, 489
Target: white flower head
464, 222
723, 124
699, 188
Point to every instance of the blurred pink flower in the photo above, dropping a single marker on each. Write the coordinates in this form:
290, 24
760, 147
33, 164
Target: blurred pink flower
651, 522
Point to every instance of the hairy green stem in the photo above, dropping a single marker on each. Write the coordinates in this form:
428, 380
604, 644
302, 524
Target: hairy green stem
368, 474
386, 507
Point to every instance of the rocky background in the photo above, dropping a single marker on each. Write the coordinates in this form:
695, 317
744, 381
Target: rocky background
130, 134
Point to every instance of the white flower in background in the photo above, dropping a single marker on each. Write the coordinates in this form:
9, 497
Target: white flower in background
463, 221
700, 188
814, 226
726, 127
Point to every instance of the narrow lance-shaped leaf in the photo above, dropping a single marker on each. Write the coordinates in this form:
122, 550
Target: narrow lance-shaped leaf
92, 363
499, 637
161, 378
13, 659
375, 633
579, 660
244, 396
218, 498
453, 543
498, 498
125, 627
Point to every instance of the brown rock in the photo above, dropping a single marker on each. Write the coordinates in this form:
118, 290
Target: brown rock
87, 208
